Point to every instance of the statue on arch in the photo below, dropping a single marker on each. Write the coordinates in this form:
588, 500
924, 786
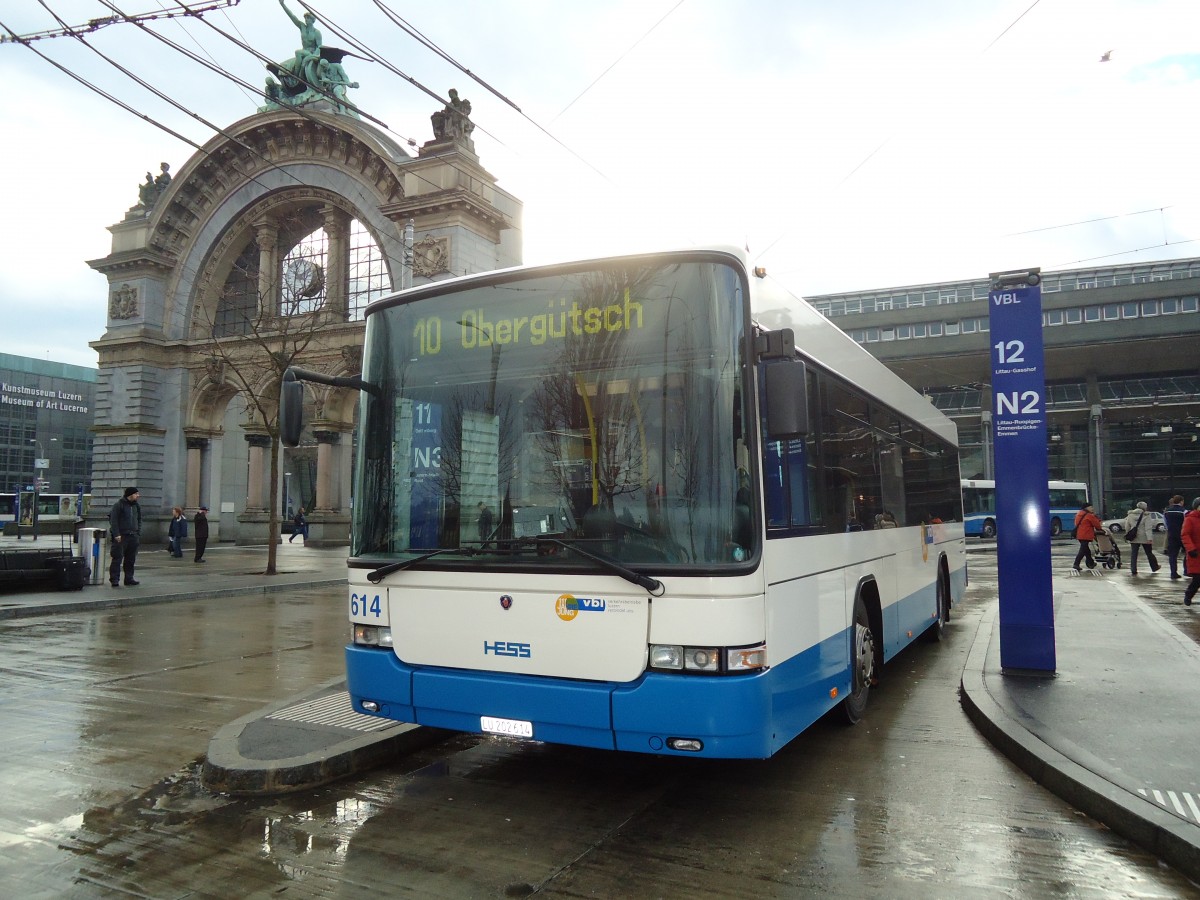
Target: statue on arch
453, 123
313, 74
163, 178
147, 192
152, 188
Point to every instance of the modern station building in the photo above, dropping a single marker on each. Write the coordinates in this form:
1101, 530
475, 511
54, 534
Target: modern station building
46, 411
1121, 361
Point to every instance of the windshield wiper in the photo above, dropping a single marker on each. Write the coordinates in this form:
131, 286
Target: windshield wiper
652, 585
377, 575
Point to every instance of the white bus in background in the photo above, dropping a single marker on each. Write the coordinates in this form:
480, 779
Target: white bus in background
652, 503
1065, 498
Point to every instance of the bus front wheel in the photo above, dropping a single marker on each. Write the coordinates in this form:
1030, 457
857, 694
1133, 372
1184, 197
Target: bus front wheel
1055, 527
989, 529
862, 665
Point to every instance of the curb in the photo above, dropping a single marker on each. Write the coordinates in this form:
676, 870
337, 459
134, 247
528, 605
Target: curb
227, 770
1129, 815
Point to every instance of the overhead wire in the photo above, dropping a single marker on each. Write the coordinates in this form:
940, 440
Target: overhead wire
299, 111
409, 29
166, 98
373, 57
362, 198
426, 42
125, 106
889, 138
98, 23
262, 57
1140, 212
1122, 253
618, 60
252, 97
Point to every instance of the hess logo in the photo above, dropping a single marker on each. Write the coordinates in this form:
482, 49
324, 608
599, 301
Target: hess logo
568, 606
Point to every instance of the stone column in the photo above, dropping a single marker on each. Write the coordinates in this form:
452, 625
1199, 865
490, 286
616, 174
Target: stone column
195, 469
337, 262
266, 235
256, 483
327, 499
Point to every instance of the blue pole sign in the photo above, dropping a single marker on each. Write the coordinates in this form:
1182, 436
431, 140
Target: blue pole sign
1022, 472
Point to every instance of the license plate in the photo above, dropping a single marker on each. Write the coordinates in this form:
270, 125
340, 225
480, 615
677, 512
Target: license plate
511, 727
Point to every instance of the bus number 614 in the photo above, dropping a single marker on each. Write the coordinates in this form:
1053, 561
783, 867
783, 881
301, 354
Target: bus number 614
365, 605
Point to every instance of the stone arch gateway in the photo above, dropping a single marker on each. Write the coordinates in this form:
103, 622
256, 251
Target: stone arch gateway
269, 240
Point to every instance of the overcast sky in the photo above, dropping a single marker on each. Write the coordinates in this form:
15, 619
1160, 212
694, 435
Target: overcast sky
851, 145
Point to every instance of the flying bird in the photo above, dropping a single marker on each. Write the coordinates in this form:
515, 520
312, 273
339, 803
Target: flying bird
1107, 56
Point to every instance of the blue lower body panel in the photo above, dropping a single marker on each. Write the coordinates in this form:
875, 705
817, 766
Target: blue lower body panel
734, 716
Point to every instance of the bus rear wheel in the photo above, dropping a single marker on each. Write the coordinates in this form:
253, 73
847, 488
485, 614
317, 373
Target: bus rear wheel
989, 529
937, 631
1055, 527
862, 665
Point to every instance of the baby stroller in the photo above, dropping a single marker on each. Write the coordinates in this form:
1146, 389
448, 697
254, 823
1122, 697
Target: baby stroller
1105, 551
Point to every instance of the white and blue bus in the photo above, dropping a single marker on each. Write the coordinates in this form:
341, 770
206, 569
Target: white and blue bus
1065, 498
652, 503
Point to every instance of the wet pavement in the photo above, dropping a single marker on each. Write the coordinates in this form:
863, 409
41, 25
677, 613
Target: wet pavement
226, 571
1112, 732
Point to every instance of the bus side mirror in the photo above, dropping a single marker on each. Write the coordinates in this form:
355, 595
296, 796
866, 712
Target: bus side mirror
291, 409
787, 399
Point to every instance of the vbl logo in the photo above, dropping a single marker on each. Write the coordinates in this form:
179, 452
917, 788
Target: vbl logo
506, 648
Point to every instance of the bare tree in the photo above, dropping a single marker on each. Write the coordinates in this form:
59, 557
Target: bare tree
259, 326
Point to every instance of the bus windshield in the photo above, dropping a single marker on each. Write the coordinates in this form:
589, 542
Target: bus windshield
602, 408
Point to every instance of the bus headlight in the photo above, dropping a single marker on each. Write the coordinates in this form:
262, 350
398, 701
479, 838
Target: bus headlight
666, 656
708, 660
372, 635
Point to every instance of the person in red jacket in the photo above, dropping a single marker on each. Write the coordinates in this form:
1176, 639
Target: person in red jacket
1190, 535
1086, 523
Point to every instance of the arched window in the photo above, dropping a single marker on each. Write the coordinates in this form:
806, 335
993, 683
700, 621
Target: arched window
301, 255
369, 278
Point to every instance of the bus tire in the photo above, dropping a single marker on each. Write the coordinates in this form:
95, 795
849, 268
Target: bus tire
989, 529
862, 664
937, 631
1055, 527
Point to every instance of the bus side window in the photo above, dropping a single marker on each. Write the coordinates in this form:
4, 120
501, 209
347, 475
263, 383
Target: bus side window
849, 459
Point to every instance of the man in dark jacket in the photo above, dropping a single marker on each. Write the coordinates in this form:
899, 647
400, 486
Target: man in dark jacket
299, 526
1173, 515
200, 527
124, 530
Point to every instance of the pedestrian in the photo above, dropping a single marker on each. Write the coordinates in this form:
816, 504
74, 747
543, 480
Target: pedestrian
485, 523
125, 532
1190, 535
177, 531
1086, 524
200, 524
1137, 532
1173, 515
299, 526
